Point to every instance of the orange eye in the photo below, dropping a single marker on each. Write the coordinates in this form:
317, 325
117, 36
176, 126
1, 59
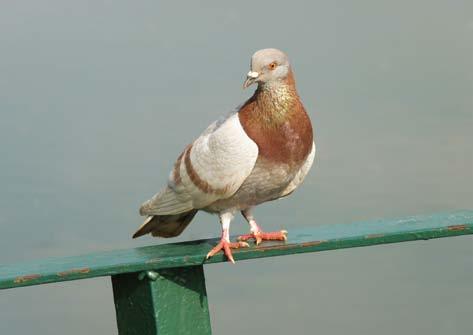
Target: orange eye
272, 66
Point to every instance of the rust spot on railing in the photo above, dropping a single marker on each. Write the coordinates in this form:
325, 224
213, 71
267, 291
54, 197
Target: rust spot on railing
312, 243
24, 279
374, 236
263, 248
73, 271
457, 227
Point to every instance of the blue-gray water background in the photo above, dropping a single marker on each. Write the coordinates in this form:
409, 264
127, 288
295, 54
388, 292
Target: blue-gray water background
97, 98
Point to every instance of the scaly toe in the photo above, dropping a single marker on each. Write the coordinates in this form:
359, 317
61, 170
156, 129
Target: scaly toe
261, 236
258, 238
245, 237
226, 247
275, 236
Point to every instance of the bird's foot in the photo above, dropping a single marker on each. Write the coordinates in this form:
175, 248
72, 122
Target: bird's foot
260, 236
226, 247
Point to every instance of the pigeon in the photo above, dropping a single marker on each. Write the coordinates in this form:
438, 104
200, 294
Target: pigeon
258, 153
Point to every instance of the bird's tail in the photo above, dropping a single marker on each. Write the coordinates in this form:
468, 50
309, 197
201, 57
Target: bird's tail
165, 225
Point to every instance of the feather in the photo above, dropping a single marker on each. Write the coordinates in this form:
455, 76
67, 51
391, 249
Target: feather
166, 202
165, 225
213, 167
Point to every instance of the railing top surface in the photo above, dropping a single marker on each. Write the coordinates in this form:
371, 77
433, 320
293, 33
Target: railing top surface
317, 238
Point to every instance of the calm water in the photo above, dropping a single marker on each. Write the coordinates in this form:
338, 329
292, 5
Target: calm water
98, 98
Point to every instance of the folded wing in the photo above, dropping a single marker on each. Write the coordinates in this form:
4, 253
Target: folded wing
213, 167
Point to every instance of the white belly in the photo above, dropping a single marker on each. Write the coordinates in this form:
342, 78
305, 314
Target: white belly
266, 182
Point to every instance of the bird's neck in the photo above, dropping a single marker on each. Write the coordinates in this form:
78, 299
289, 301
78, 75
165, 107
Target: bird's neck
275, 100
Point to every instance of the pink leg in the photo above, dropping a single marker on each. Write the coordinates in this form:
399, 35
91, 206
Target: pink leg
225, 245
258, 234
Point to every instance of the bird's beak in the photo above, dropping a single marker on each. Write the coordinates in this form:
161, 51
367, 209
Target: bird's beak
251, 78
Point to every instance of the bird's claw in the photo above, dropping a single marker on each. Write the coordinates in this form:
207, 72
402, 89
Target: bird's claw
226, 247
260, 236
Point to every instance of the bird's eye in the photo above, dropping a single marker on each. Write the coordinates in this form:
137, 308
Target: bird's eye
272, 66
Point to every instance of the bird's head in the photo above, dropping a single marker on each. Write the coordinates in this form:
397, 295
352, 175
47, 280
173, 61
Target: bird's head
267, 66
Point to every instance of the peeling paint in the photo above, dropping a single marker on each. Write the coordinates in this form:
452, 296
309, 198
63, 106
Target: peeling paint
73, 271
263, 248
24, 279
313, 243
457, 227
374, 236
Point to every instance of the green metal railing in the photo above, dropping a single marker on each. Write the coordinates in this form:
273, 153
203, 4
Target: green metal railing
161, 289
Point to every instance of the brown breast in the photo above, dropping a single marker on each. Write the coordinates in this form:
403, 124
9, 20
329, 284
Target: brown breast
282, 136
